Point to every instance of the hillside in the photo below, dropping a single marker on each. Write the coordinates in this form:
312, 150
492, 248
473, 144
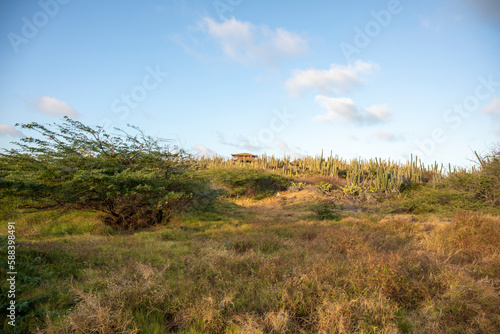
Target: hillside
307, 259
123, 234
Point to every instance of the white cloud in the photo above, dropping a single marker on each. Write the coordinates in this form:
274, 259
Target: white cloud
9, 130
337, 79
379, 111
54, 107
242, 142
204, 151
187, 46
493, 108
246, 43
346, 108
293, 151
389, 136
285, 42
251, 144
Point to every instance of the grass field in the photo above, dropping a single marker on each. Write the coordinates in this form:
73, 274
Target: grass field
308, 253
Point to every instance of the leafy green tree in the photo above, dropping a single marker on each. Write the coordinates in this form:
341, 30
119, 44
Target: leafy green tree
135, 179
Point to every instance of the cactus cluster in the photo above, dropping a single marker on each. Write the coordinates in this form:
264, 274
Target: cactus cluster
376, 175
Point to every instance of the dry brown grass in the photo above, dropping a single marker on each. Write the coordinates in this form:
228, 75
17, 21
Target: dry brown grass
274, 271
108, 311
365, 314
94, 315
469, 237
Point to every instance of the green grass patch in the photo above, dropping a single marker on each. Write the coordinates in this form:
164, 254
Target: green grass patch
249, 181
325, 210
436, 198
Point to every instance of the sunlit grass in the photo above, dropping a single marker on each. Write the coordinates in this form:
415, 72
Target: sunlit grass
272, 265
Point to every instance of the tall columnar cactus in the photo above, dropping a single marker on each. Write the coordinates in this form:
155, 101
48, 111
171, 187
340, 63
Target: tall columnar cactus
375, 174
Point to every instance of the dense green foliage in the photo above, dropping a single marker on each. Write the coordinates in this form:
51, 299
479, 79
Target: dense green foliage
136, 180
325, 210
249, 181
477, 189
483, 184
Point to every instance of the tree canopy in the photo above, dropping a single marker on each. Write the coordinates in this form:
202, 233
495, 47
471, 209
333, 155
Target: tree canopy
135, 179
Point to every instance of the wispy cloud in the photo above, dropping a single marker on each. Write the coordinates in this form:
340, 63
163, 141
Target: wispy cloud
53, 107
241, 142
336, 79
493, 111
389, 136
246, 43
253, 145
292, 150
493, 108
346, 109
9, 130
189, 47
203, 151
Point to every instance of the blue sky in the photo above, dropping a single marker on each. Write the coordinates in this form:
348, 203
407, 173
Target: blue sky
359, 78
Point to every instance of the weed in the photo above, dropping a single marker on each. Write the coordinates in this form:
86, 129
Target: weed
324, 186
325, 210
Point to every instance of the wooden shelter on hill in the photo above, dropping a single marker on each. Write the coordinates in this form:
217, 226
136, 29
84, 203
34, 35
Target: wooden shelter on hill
245, 157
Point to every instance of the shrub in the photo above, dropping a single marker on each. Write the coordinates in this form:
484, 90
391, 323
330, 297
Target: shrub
425, 198
136, 180
353, 190
325, 210
250, 182
297, 186
325, 186
485, 183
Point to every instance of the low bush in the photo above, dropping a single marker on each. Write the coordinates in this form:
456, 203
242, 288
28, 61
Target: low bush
435, 198
249, 181
484, 183
325, 210
325, 186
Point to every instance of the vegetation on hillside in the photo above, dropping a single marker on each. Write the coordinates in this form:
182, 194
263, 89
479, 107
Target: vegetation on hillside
135, 179
317, 245
375, 174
